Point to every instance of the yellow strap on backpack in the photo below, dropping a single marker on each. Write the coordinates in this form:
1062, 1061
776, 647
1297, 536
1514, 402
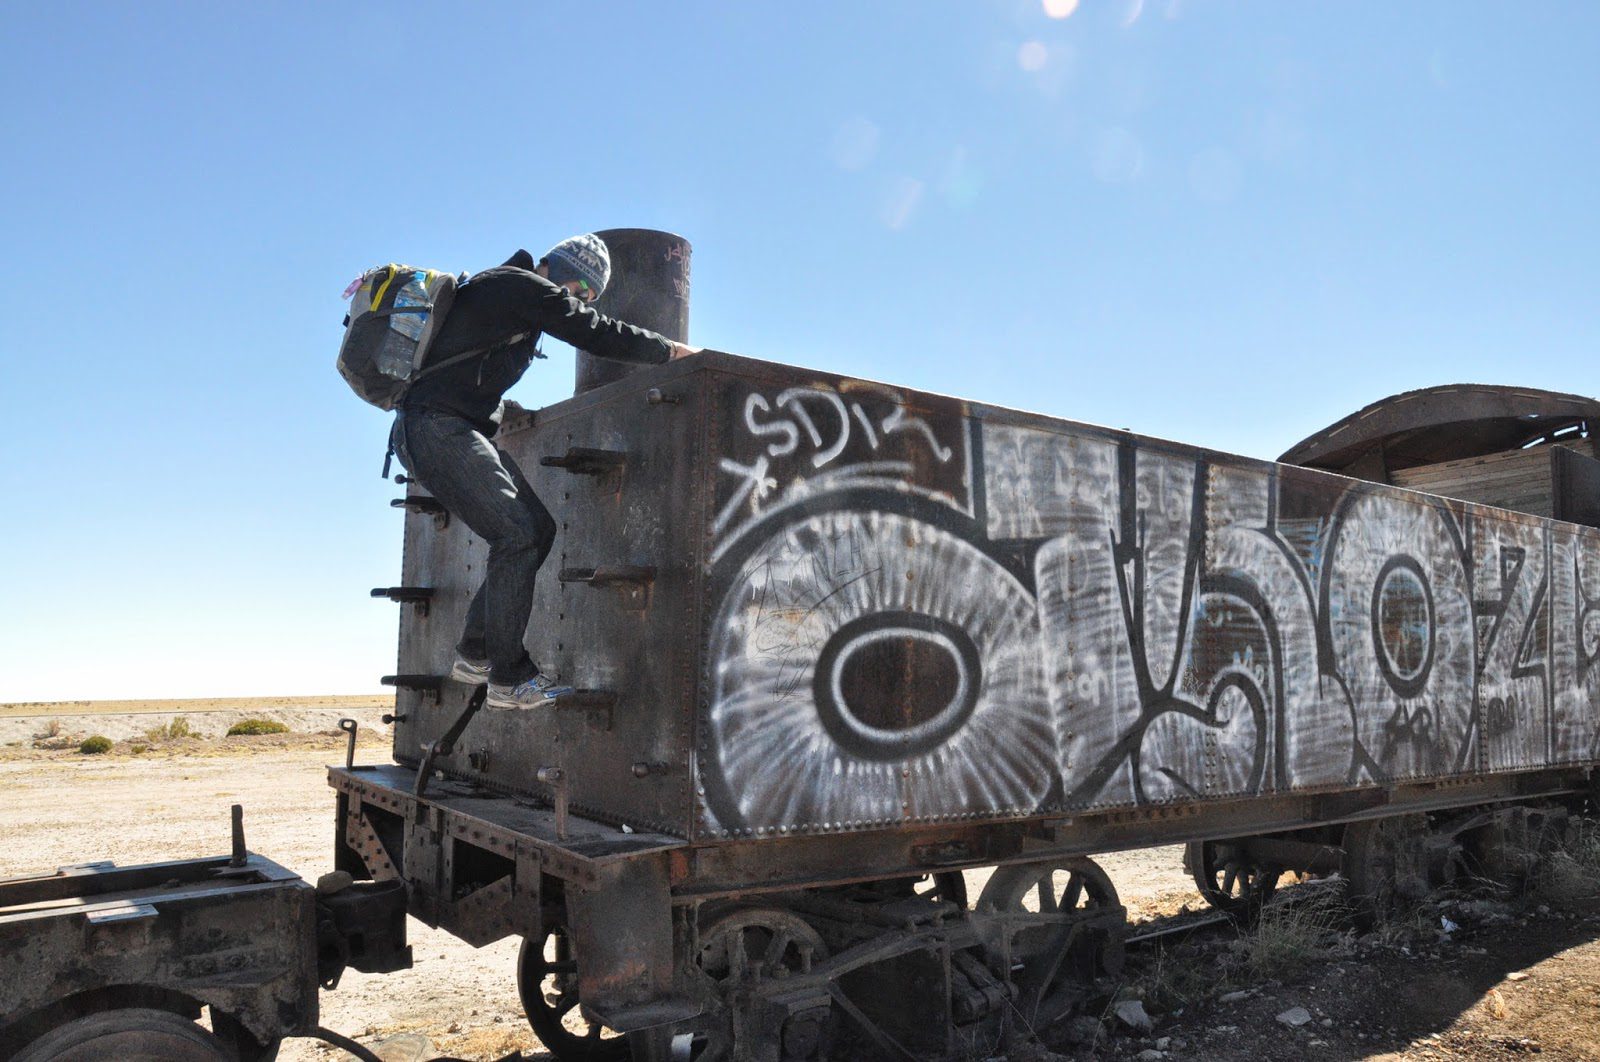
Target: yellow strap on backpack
377, 296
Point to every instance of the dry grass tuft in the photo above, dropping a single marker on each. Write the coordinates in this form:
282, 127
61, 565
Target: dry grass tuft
1570, 871
175, 730
1293, 932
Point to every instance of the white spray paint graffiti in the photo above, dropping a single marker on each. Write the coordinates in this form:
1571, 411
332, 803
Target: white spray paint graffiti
806, 732
1104, 622
858, 434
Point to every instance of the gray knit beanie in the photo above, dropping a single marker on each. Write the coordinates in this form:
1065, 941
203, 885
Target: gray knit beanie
582, 258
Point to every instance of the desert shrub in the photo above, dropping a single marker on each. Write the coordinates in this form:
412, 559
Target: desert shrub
94, 746
172, 731
1180, 977
1569, 873
252, 727
1288, 935
138, 747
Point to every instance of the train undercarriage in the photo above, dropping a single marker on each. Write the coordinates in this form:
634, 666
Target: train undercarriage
634, 948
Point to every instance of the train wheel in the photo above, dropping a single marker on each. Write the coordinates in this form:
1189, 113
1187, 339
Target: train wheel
743, 946
1056, 961
1055, 887
1051, 886
1227, 879
131, 1034
547, 981
759, 941
1387, 862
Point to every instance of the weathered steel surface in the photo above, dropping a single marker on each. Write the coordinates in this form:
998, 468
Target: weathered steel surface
239, 939
639, 515
876, 608
1576, 487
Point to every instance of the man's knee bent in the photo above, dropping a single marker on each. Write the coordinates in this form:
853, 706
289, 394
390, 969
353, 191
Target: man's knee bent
534, 533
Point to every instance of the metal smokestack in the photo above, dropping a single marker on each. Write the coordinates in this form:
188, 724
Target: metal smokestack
649, 288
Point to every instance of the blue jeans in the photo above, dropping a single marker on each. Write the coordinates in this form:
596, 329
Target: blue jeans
483, 488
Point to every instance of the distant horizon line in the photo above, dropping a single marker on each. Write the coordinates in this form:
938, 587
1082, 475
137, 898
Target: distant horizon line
15, 706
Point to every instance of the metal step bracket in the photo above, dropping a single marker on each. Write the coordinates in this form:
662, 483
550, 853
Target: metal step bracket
429, 684
422, 503
407, 595
632, 580
588, 461
596, 704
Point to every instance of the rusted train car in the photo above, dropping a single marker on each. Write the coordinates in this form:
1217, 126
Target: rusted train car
834, 641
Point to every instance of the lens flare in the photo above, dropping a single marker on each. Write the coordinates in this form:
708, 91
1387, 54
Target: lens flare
902, 202
855, 144
1032, 56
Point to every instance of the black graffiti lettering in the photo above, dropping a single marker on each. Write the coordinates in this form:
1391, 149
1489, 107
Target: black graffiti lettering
1500, 716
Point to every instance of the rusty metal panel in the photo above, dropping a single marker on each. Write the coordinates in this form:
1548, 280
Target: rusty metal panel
1577, 486
875, 608
868, 655
439, 553
1512, 583
1148, 623
622, 925
240, 939
623, 497
1574, 624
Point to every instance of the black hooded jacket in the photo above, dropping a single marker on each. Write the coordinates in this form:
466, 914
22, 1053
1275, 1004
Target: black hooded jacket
508, 307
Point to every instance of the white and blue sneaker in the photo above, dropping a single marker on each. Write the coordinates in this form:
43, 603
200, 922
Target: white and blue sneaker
472, 672
537, 692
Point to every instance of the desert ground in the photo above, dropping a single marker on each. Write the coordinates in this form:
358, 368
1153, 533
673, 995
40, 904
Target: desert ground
1459, 978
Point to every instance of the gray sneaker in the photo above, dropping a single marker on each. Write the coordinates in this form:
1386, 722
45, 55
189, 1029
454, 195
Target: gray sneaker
537, 692
472, 672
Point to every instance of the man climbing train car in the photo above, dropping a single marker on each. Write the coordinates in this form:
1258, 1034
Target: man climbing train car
443, 429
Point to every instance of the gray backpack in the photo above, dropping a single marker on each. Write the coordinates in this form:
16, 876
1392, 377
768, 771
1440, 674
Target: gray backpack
395, 313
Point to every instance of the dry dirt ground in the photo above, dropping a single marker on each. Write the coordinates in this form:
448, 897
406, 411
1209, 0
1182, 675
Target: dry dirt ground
1513, 979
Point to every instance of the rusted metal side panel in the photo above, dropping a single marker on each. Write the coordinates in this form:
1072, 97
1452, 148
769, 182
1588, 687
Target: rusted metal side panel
923, 612
1577, 485
622, 926
439, 554
1512, 580
876, 608
619, 497
1573, 619
871, 659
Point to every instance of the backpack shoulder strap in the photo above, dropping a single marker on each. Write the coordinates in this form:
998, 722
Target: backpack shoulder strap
456, 359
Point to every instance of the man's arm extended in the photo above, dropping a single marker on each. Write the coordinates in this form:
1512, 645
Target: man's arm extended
549, 308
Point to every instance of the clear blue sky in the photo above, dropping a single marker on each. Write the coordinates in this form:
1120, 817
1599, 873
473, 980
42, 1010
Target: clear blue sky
1225, 223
